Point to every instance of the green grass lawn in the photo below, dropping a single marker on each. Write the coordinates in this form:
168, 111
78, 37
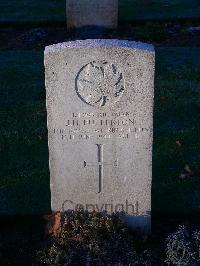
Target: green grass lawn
24, 185
24, 174
176, 118
52, 11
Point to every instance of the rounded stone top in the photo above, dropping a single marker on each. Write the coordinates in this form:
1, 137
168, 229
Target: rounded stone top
98, 43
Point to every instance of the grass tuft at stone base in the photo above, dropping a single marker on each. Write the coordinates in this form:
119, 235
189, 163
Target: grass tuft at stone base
94, 239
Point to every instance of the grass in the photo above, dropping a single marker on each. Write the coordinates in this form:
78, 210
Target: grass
33, 11
24, 174
54, 11
23, 146
158, 9
176, 119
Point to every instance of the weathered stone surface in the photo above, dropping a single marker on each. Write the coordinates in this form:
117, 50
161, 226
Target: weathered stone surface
99, 105
83, 13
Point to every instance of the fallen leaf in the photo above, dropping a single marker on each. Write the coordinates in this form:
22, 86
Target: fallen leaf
54, 224
188, 169
178, 143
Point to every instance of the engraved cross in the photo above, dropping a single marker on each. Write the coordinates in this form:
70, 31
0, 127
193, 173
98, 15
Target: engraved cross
100, 164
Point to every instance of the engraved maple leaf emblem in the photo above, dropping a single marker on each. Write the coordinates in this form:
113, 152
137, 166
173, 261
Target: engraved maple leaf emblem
100, 83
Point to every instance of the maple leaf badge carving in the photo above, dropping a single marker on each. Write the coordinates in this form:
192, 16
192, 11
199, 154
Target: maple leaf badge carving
100, 83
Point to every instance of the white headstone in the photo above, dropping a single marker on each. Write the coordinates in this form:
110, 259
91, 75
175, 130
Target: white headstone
100, 105
98, 13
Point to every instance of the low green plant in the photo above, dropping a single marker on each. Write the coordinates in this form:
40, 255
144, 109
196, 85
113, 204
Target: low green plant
92, 239
183, 247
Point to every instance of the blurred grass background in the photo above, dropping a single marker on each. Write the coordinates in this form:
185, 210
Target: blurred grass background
24, 173
53, 11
